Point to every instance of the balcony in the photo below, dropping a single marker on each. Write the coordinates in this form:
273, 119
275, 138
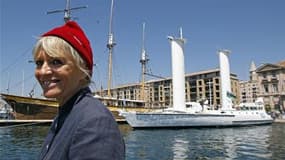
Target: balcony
274, 80
264, 80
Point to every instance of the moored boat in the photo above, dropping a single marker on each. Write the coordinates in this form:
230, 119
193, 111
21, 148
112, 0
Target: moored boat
28, 108
247, 114
194, 114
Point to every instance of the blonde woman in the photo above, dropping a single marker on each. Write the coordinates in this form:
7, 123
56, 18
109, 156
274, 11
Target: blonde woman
84, 128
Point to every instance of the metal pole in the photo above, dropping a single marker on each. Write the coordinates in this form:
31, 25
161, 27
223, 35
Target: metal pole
110, 46
8, 87
143, 61
23, 83
210, 92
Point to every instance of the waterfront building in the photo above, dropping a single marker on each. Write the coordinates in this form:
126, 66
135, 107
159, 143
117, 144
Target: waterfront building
249, 89
206, 85
271, 80
199, 86
266, 81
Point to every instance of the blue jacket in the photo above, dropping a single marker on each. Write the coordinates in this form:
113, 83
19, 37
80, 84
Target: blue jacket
83, 129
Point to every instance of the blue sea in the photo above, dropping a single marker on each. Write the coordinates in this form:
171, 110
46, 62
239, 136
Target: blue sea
241, 143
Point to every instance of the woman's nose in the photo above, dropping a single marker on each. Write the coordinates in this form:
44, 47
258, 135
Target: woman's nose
45, 69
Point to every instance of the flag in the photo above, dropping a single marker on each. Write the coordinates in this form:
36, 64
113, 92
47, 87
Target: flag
231, 95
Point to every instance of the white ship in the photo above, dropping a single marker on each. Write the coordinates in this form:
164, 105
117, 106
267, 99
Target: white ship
192, 114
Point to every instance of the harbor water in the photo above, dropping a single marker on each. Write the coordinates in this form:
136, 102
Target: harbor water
255, 142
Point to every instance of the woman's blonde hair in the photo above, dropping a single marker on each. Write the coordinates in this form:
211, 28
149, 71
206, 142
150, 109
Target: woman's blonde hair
55, 47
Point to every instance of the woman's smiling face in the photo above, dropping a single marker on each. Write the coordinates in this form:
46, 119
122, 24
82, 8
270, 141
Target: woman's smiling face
59, 77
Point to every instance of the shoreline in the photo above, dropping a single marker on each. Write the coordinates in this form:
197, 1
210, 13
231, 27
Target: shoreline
279, 120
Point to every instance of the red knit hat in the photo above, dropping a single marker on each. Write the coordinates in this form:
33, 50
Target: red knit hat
74, 35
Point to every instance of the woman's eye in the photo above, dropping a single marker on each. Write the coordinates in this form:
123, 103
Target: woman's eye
39, 63
56, 62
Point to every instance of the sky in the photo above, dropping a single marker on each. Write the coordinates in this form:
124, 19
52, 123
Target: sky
253, 30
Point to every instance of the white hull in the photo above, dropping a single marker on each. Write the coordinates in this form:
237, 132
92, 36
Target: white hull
193, 114
209, 119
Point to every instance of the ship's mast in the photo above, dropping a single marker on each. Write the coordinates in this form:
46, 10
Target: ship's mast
67, 15
67, 11
110, 46
8, 85
143, 62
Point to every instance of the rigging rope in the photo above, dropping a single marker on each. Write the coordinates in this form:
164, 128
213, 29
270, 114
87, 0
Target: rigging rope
13, 63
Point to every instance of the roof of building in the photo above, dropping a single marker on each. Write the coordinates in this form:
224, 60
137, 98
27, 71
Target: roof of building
270, 67
281, 63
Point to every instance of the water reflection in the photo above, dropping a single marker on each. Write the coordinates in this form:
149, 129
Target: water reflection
180, 148
230, 145
260, 142
247, 142
255, 142
277, 141
21, 142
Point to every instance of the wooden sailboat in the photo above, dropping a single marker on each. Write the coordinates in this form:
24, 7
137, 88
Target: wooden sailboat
27, 108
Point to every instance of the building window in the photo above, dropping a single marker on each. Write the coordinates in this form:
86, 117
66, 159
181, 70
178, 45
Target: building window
200, 83
275, 88
217, 94
266, 90
217, 88
274, 74
200, 89
254, 96
218, 102
217, 81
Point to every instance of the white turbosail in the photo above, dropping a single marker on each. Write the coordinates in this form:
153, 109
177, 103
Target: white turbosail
192, 114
